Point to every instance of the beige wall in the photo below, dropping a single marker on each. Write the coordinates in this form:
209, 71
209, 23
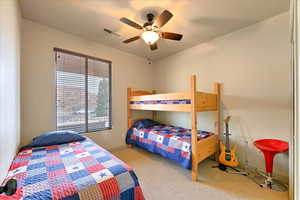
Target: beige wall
38, 87
9, 82
253, 65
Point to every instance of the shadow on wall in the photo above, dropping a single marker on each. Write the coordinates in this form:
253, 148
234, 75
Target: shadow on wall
236, 102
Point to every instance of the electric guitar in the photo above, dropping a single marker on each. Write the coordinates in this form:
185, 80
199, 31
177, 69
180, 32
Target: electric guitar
227, 156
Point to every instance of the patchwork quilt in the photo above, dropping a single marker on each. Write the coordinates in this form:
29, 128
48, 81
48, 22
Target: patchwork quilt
72, 171
171, 142
181, 101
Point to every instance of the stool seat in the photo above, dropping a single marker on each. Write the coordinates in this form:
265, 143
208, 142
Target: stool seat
272, 145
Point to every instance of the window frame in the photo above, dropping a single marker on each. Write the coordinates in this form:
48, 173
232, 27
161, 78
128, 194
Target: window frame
86, 57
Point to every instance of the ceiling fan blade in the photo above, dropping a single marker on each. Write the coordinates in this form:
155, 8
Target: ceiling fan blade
131, 39
130, 23
164, 17
153, 46
111, 32
171, 36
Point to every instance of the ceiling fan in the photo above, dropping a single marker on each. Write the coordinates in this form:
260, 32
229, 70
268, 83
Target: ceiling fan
151, 30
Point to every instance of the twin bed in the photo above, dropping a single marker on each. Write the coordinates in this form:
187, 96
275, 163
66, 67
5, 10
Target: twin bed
187, 147
72, 171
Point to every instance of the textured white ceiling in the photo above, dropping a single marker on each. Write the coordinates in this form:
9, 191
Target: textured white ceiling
197, 20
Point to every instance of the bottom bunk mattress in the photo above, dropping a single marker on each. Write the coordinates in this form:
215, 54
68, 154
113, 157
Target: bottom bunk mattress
171, 142
72, 171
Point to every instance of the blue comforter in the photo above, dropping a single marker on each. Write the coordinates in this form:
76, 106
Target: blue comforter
171, 142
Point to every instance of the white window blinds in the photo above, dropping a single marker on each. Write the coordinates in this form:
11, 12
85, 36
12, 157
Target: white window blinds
83, 92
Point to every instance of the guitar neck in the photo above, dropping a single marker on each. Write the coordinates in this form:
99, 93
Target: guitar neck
227, 138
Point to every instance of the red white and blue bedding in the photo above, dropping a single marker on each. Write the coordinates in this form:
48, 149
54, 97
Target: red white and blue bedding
72, 171
171, 142
181, 101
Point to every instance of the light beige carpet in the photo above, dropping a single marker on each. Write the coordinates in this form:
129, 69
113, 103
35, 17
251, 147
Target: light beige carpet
161, 179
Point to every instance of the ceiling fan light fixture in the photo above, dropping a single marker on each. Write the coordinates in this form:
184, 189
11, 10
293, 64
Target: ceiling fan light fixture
152, 29
150, 37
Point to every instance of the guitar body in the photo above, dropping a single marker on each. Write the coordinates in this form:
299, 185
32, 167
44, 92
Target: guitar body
228, 158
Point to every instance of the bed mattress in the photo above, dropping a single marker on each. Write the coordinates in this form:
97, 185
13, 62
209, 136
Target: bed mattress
182, 101
171, 142
75, 171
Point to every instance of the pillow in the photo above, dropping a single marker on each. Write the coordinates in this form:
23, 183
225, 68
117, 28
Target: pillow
145, 123
56, 137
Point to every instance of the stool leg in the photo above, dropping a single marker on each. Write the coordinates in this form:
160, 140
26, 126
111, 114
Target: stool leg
269, 157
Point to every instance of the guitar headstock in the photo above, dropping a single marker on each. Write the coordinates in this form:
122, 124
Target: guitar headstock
227, 119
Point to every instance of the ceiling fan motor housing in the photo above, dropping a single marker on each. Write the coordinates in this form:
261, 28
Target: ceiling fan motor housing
150, 17
148, 25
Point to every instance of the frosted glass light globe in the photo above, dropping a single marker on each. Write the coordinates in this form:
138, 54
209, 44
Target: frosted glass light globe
150, 37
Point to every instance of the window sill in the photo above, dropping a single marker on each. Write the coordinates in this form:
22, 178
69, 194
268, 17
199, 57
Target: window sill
104, 130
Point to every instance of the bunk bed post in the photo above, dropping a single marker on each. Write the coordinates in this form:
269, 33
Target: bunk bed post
129, 112
217, 90
154, 113
194, 129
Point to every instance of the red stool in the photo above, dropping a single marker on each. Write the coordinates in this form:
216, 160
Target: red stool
270, 147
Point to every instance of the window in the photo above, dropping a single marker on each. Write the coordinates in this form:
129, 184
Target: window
83, 92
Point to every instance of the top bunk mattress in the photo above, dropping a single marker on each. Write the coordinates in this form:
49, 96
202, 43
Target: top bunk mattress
181, 101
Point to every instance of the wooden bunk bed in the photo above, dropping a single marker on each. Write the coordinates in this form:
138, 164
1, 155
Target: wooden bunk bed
196, 102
